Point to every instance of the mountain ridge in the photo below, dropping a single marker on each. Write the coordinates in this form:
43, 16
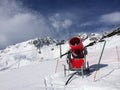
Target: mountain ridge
37, 49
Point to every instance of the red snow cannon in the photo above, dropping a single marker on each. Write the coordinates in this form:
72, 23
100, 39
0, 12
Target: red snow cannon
76, 44
76, 48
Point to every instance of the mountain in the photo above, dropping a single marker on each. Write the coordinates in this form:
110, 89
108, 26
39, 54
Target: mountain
35, 49
27, 52
112, 33
36, 64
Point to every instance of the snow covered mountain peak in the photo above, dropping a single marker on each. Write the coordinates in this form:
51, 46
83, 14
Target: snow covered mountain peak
83, 36
26, 52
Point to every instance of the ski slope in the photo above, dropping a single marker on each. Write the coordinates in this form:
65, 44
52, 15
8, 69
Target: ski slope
33, 71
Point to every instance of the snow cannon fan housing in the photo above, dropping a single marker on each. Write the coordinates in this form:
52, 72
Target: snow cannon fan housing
76, 44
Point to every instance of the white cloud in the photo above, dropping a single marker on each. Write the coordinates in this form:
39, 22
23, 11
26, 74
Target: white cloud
17, 24
111, 18
67, 23
59, 22
86, 24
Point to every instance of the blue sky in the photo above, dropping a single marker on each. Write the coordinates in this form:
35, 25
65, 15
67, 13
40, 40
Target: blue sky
21, 20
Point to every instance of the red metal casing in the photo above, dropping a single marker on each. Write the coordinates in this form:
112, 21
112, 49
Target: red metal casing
76, 64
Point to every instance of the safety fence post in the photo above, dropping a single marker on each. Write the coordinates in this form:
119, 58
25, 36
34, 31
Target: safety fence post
56, 65
117, 54
64, 70
99, 60
45, 83
82, 72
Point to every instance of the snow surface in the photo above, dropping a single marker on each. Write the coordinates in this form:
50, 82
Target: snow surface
23, 68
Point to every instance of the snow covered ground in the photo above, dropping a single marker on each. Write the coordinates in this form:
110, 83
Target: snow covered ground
33, 71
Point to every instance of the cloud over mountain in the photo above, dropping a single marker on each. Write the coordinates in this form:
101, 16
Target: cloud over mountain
111, 18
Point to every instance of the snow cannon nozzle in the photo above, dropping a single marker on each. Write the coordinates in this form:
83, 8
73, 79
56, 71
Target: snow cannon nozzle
75, 43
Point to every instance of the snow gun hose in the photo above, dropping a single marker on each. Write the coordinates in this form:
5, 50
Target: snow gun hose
70, 78
99, 60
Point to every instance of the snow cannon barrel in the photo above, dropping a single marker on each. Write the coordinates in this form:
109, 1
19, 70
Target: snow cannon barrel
76, 44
